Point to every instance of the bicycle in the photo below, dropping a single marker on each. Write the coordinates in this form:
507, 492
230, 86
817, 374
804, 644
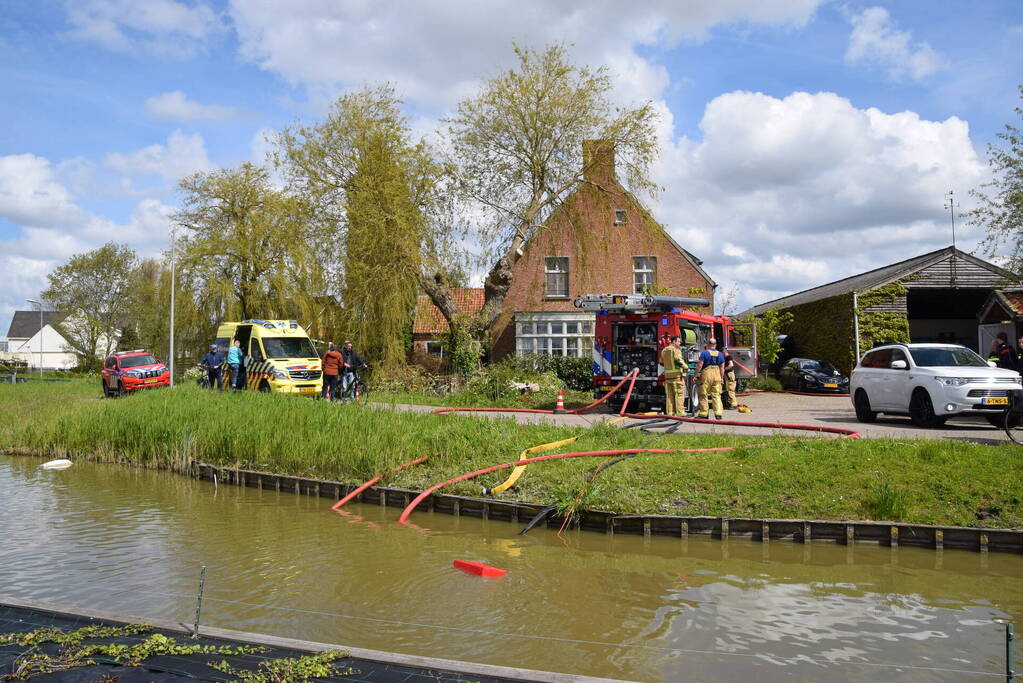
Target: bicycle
1013, 418
357, 390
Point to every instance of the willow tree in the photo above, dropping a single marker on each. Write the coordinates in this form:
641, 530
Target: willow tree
374, 185
247, 249
1000, 211
515, 147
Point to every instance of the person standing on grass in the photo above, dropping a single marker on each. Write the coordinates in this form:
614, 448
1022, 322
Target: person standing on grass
708, 369
350, 363
213, 361
234, 359
332, 362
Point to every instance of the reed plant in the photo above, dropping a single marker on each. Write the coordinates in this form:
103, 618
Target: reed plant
952, 483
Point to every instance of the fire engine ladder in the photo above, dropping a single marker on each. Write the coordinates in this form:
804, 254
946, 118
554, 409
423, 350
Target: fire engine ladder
630, 303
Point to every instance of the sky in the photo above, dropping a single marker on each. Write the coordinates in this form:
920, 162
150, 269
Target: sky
801, 141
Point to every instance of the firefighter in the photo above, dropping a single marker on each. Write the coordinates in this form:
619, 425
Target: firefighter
708, 370
729, 370
1002, 352
674, 367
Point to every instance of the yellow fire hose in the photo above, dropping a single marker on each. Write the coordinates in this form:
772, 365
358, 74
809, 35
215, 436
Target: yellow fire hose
529, 452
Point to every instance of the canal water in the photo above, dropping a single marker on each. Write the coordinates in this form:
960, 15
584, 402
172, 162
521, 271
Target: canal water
650, 609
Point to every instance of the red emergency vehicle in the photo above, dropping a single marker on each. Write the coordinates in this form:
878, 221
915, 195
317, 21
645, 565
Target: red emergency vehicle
630, 330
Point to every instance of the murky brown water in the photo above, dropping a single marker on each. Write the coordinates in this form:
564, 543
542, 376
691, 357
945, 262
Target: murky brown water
132, 541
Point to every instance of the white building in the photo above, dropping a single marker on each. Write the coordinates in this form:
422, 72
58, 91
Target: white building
27, 342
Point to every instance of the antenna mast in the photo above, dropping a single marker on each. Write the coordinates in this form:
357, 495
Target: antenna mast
951, 205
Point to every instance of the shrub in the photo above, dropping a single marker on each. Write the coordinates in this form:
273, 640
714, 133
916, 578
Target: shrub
575, 373
410, 379
764, 383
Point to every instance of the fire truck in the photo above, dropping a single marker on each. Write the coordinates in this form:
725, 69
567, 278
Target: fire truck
630, 331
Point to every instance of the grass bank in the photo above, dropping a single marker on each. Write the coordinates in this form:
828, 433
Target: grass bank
928, 482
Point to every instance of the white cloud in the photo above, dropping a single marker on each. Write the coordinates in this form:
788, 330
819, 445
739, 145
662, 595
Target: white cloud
785, 194
324, 44
176, 106
875, 39
52, 227
182, 155
163, 27
31, 195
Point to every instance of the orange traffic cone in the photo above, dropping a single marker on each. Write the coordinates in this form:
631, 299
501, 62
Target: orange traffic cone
358, 393
560, 407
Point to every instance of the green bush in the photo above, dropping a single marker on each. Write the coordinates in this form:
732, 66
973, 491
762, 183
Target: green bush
575, 373
764, 383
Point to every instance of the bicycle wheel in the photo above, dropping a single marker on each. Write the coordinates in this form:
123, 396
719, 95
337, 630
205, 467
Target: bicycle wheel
1014, 426
361, 393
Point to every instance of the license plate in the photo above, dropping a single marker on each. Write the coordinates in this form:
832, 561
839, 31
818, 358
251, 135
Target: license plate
308, 390
152, 381
604, 389
830, 386
995, 401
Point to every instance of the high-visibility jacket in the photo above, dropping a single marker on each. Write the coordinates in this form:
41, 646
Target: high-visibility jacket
674, 363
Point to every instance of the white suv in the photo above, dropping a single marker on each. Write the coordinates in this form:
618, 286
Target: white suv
930, 382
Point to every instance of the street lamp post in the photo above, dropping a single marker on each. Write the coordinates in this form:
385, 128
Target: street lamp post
174, 230
40, 305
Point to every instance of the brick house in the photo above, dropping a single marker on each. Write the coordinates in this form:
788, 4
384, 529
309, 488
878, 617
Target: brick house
430, 328
600, 240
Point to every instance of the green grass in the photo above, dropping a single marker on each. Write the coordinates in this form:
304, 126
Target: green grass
933, 482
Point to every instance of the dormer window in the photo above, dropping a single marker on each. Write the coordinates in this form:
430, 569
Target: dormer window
619, 216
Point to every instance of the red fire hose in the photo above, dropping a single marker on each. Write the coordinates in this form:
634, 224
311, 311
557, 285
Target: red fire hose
344, 501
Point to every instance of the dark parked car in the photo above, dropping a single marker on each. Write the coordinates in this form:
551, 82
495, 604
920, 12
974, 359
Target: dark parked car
804, 374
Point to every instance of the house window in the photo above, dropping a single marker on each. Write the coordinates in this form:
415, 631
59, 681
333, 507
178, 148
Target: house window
434, 348
556, 270
619, 216
644, 273
570, 336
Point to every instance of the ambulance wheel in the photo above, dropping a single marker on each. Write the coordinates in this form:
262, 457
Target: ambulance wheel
264, 387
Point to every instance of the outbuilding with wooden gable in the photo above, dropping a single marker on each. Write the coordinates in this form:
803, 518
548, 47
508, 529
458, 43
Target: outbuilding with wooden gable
941, 296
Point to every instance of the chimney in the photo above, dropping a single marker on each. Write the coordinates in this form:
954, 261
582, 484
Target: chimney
599, 162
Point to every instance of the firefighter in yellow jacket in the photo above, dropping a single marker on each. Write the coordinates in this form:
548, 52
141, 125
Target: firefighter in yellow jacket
709, 372
675, 367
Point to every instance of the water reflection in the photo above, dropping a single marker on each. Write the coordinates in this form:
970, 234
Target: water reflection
618, 606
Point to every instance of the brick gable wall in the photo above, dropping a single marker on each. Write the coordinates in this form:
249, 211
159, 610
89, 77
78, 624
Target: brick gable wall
599, 255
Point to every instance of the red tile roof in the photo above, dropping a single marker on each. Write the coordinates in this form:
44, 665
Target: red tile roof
429, 319
1015, 298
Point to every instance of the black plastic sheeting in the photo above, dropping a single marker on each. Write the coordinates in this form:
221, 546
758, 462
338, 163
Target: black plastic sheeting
168, 669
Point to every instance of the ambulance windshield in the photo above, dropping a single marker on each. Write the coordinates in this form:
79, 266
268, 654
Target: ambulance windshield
289, 347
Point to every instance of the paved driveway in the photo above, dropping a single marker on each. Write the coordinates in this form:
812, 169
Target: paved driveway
833, 411
827, 411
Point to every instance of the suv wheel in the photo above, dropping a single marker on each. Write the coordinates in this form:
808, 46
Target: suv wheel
921, 410
862, 405
106, 391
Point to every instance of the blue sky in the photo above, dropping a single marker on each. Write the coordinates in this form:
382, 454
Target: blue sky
802, 140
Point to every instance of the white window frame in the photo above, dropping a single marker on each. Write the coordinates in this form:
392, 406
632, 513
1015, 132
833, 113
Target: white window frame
552, 266
620, 217
558, 333
649, 275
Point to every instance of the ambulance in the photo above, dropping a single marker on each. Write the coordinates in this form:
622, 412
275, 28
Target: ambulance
279, 356
631, 330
